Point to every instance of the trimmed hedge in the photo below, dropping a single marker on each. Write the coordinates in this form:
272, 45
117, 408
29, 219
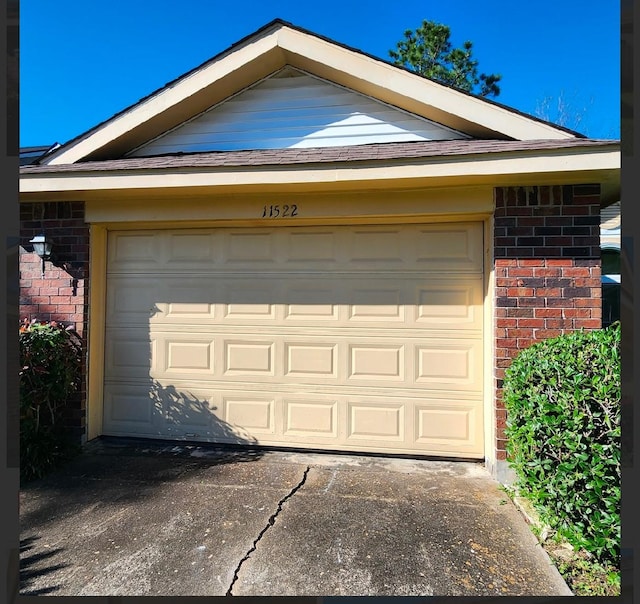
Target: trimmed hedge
562, 397
50, 372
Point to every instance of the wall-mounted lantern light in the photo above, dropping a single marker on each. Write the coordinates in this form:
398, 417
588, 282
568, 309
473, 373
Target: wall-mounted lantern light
43, 247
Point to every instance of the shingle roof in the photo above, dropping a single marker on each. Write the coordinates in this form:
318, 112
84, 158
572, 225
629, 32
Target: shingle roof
355, 153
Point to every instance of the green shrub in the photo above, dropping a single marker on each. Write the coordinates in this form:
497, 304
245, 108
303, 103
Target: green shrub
50, 373
562, 397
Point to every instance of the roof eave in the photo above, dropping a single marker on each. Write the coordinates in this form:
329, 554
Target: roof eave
595, 165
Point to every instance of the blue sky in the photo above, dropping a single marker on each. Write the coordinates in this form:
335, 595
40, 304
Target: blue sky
81, 62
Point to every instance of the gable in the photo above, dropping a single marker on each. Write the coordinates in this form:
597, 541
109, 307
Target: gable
275, 46
292, 109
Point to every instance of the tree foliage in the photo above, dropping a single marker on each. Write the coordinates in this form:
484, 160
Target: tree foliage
429, 52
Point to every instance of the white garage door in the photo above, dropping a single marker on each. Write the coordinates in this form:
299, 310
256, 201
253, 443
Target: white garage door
360, 338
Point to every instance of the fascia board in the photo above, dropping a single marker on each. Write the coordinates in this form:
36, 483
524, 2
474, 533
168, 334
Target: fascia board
439, 103
555, 168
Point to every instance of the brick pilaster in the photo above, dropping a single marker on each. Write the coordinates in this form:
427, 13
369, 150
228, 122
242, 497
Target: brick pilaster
547, 271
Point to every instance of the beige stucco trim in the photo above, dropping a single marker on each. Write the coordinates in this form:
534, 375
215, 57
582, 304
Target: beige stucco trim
561, 167
273, 48
310, 208
97, 300
489, 346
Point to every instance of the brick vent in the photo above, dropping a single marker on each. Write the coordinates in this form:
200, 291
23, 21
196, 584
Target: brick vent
61, 295
547, 271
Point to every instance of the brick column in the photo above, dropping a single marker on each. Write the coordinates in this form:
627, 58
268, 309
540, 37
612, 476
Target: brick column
547, 272
61, 295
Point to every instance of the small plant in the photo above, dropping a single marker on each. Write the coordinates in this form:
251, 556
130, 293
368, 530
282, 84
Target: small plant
585, 577
50, 373
563, 428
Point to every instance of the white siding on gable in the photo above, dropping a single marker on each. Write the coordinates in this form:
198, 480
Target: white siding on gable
293, 110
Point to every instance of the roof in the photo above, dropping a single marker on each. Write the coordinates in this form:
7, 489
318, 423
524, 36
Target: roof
504, 147
372, 152
276, 45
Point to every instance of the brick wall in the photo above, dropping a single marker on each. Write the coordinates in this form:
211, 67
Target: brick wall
547, 271
61, 295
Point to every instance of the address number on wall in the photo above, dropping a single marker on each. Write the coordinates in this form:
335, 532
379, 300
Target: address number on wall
280, 211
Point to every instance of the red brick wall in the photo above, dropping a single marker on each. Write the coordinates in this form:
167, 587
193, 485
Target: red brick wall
61, 295
547, 271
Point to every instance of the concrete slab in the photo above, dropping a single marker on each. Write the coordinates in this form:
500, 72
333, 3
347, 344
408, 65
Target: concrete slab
140, 518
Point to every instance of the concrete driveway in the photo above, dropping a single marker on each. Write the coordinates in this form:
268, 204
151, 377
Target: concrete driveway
135, 518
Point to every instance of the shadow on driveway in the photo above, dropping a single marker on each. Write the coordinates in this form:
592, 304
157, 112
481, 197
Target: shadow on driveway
34, 567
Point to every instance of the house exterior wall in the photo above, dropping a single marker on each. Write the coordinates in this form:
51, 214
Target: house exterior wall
61, 295
547, 272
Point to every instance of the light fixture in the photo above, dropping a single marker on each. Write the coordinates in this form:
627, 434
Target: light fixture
43, 247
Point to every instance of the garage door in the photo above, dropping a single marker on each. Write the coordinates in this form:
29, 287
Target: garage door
360, 338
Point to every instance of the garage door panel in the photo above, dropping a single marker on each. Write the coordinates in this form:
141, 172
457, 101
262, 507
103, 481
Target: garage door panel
449, 363
189, 355
243, 309
129, 408
190, 311
189, 411
133, 301
375, 421
454, 248
423, 303
377, 304
371, 361
443, 248
310, 360
309, 300
384, 360
381, 246
248, 414
333, 421
131, 250
443, 425
179, 355
130, 354
313, 247
249, 358
185, 248
446, 304
309, 418
362, 338
250, 247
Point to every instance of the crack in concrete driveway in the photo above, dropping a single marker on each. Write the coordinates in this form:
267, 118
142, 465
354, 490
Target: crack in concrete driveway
270, 523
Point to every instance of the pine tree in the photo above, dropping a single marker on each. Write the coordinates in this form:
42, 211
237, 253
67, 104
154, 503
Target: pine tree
428, 51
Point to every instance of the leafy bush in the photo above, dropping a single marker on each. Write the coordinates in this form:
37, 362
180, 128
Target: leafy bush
50, 361
562, 397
